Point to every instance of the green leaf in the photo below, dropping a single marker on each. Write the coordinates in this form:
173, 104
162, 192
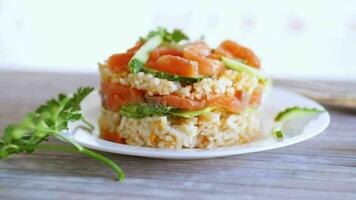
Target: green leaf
24, 136
175, 36
136, 66
50, 119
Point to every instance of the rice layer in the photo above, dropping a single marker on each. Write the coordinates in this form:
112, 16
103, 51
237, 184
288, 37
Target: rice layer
214, 129
225, 84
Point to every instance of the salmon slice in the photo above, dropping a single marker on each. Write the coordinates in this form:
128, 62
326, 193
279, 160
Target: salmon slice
176, 102
176, 65
112, 137
229, 103
199, 52
137, 46
119, 62
161, 51
230, 48
116, 95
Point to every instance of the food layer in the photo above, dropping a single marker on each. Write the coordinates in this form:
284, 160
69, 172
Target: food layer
213, 129
169, 94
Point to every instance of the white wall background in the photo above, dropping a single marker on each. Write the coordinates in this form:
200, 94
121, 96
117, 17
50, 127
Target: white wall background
295, 38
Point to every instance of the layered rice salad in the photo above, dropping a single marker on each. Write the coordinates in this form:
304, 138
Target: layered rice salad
169, 92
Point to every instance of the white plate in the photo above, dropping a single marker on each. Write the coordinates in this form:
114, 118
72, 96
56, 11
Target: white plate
275, 101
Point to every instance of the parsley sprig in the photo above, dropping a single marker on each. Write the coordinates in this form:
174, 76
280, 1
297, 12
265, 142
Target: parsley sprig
50, 120
175, 36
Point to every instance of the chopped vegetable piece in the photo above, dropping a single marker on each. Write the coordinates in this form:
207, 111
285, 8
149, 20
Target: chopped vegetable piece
141, 56
190, 114
241, 67
172, 45
295, 112
170, 77
278, 133
298, 115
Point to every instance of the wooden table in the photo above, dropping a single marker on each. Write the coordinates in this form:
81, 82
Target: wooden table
321, 168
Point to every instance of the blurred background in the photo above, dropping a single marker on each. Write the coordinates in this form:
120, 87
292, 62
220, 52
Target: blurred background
294, 39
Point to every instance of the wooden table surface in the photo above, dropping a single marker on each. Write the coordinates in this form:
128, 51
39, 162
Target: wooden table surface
321, 168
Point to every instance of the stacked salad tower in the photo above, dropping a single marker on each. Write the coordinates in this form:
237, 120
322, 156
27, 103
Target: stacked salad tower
169, 92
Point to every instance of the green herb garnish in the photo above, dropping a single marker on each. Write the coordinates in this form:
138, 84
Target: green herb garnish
136, 66
50, 120
154, 39
175, 36
139, 111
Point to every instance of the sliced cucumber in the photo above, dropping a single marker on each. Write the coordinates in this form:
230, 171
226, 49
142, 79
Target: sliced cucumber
141, 56
295, 112
292, 120
190, 114
241, 67
171, 77
278, 133
137, 63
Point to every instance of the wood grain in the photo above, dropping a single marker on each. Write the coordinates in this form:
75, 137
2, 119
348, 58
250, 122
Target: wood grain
321, 168
331, 93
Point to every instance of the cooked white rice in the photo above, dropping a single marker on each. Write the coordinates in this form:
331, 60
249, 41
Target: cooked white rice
227, 83
214, 129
